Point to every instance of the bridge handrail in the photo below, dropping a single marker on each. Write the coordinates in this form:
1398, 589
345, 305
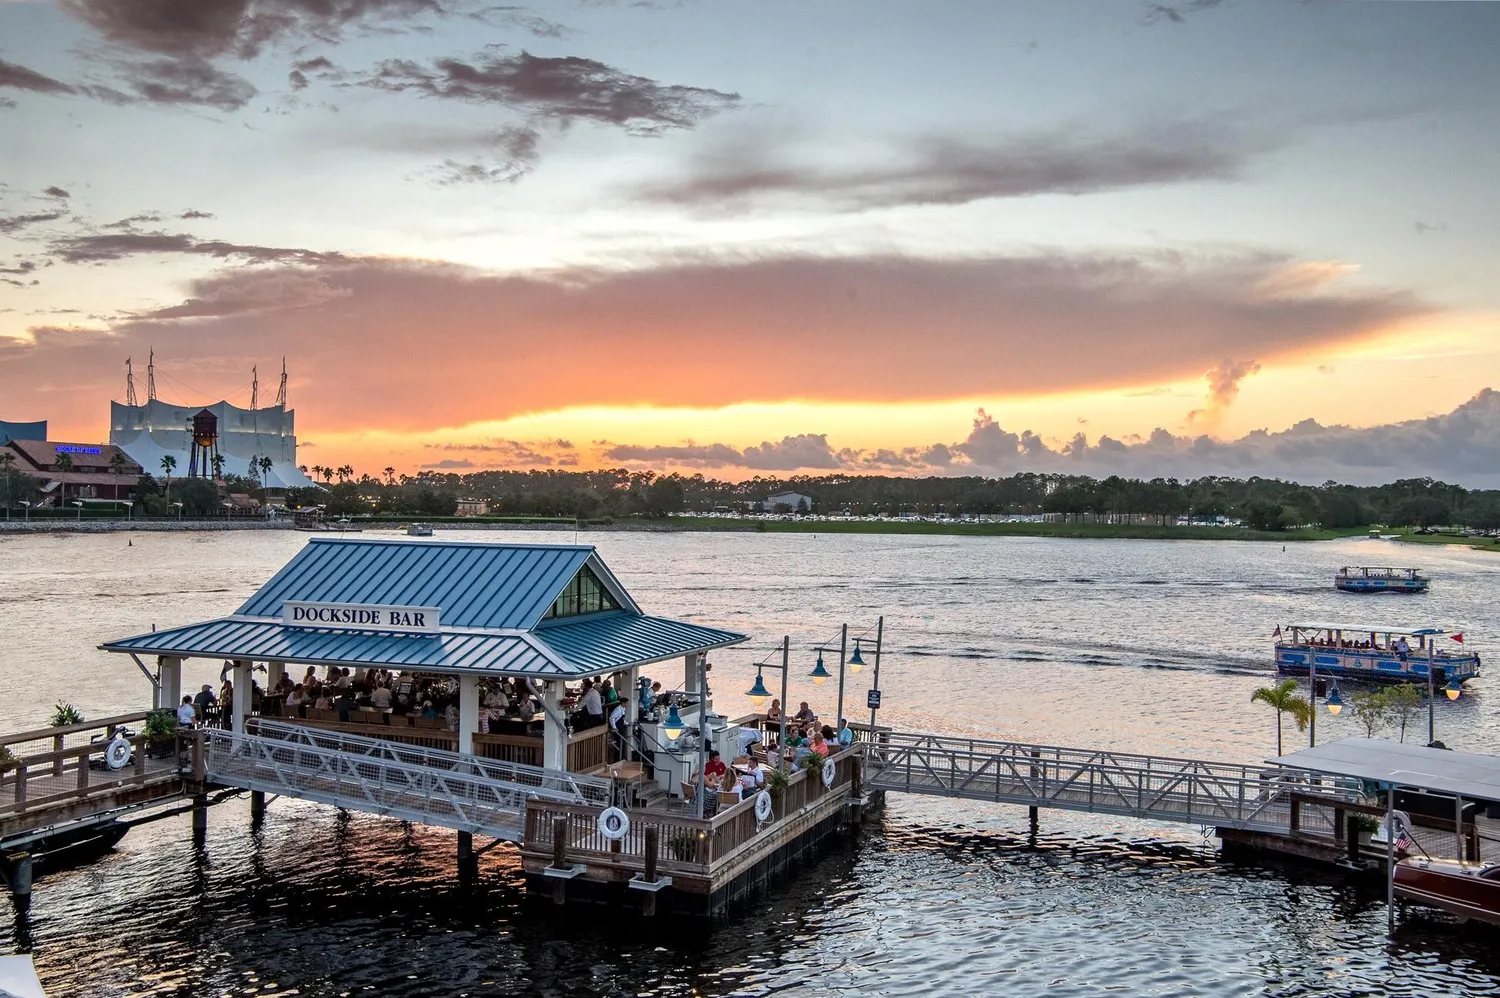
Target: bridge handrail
550, 783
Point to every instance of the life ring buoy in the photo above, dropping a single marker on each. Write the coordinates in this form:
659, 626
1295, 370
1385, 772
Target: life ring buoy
117, 753
614, 824
763, 807
830, 773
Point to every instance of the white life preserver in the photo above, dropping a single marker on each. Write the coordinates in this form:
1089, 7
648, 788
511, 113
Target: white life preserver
763, 807
830, 772
117, 753
614, 824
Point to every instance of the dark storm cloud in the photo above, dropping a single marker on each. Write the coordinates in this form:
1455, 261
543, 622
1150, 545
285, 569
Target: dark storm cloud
953, 171
21, 78
186, 81
206, 29
97, 248
15, 223
564, 89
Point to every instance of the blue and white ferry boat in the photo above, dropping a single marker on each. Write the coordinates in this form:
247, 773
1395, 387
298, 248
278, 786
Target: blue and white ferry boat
1375, 653
1380, 580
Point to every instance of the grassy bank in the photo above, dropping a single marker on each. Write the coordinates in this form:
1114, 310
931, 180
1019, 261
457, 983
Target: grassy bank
1081, 530
1476, 543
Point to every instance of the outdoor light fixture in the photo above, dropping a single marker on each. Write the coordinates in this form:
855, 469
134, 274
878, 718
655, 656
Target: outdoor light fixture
1335, 702
1454, 688
758, 693
673, 728
856, 661
819, 673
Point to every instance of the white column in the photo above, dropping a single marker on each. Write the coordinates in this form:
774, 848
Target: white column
554, 732
242, 673
169, 682
274, 672
690, 673
468, 712
632, 695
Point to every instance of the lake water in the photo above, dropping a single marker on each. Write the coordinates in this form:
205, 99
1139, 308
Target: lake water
1137, 645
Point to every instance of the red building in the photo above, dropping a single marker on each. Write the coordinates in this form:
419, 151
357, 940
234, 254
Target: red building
75, 471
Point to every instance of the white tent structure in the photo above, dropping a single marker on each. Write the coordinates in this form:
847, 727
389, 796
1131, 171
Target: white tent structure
150, 431
18, 978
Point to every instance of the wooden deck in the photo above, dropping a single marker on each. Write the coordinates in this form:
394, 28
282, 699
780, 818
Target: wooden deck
59, 775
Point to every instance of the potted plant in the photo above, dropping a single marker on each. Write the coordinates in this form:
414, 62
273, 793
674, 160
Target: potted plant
1365, 826
161, 729
777, 780
65, 714
8, 760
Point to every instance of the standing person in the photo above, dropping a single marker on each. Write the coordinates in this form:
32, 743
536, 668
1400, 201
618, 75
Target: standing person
226, 705
619, 731
593, 706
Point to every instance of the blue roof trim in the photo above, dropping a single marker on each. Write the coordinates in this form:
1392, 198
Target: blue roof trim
271, 641
504, 586
607, 642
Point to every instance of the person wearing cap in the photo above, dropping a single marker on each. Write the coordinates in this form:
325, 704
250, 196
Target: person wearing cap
203, 701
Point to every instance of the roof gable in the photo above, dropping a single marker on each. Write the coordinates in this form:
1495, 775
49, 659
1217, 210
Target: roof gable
505, 586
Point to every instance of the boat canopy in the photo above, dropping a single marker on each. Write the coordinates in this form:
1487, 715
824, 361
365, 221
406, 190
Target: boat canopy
1364, 628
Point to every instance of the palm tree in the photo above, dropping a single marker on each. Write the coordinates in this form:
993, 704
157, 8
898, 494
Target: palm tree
390, 476
218, 465
168, 465
7, 459
63, 462
346, 472
1285, 699
265, 469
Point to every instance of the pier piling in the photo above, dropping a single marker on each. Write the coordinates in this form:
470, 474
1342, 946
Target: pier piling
200, 817
653, 845
20, 870
559, 858
257, 807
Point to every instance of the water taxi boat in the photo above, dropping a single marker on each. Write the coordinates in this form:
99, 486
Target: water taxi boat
1374, 653
1380, 580
1464, 890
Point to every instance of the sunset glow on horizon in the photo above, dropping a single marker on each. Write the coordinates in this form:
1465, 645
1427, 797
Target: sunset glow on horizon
591, 235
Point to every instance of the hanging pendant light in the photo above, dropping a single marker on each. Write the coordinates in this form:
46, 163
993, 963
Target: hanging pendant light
673, 728
856, 661
1335, 702
820, 673
758, 693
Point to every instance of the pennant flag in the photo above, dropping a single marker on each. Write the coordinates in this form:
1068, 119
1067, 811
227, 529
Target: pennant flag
1457, 637
1277, 633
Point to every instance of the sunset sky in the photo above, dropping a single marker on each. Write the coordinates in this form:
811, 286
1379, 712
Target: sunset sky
745, 238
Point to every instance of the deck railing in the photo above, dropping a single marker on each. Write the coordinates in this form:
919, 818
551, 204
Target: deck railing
1163, 788
688, 844
587, 750
53, 765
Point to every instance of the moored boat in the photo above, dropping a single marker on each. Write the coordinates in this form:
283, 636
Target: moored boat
1380, 580
1374, 653
1464, 890
419, 530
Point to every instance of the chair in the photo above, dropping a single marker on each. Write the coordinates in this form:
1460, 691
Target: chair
758, 754
727, 799
689, 792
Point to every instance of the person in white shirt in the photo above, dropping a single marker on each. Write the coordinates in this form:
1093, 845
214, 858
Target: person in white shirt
187, 714
619, 729
380, 698
593, 706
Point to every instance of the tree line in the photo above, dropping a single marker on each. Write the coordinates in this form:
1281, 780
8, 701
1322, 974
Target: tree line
1261, 503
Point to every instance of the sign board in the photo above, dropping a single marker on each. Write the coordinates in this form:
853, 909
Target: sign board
872, 700
360, 617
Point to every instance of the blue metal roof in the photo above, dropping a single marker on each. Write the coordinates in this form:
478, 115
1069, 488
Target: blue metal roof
475, 584
266, 640
607, 642
491, 597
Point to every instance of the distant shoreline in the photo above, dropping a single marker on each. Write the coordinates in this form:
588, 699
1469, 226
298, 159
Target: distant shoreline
690, 524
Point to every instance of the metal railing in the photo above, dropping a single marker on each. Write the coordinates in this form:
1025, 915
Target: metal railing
432, 786
1139, 786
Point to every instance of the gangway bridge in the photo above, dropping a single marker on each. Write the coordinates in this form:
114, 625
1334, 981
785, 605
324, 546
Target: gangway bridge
1159, 788
464, 792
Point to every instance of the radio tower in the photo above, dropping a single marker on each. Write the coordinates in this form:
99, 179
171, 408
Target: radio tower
151, 377
281, 392
254, 389
129, 385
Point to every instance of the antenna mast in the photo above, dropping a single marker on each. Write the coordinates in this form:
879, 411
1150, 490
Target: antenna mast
281, 392
151, 377
129, 385
254, 389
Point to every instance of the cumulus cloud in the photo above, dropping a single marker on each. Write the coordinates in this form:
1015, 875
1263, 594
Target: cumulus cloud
450, 464
806, 450
564, 89
754, 167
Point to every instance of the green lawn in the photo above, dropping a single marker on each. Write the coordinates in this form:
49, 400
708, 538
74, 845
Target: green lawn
1477, 543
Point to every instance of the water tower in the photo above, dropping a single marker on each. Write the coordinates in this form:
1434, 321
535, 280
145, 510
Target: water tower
205, 432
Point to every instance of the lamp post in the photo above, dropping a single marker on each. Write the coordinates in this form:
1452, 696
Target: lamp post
129, 505
26, 506
179, 509
79, 504
875, 682
1431, 736
838, 714
758, 694
1312, 702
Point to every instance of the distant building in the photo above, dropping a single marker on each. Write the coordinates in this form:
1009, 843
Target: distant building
472, 507
156, 429
90, 471
795, 502
22, 431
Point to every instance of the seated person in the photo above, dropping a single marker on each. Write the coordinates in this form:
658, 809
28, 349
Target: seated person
773, 713
752, 780
428, 710
380, 698
845, 733
715, 768
404, 693
805, 715
187, 714
729, 783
